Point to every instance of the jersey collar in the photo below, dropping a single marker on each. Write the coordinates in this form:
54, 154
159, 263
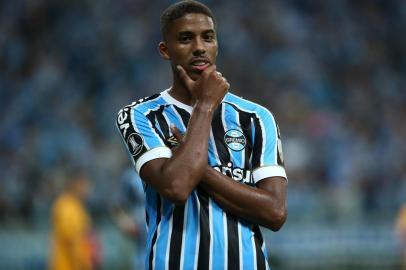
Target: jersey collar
171, 100
168, 98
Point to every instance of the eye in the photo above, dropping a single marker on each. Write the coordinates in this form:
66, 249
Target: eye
185, 38
209, 37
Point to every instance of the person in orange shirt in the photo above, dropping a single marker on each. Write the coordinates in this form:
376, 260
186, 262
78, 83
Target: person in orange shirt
71, 227
401, 231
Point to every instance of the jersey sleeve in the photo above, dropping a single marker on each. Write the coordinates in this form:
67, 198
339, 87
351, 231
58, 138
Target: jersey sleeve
267, 157
141, 139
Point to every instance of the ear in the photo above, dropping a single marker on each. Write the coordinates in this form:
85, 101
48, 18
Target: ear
163, 50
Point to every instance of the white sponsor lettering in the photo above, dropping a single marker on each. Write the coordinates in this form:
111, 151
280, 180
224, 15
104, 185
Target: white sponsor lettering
120, 119
236, 173
280, 152
124, 128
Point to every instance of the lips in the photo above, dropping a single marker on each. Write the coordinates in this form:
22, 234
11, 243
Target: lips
199, 64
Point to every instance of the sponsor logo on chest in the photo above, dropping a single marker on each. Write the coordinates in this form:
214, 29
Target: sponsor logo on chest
236, 173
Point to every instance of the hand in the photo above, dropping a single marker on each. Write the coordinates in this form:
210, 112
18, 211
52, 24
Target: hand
176, 133
178, 136
209, 89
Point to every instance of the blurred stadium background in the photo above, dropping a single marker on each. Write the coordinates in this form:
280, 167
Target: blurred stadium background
332, 72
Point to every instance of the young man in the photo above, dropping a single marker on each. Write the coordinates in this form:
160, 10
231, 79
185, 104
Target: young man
207, 191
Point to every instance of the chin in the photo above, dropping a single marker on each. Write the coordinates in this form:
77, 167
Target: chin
195, 75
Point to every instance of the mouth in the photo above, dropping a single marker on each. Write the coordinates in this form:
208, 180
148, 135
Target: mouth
199, 64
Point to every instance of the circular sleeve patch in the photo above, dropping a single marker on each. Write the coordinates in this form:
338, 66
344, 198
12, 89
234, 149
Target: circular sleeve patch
135, 143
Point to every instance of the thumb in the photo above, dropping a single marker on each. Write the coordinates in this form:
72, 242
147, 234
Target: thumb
185, 77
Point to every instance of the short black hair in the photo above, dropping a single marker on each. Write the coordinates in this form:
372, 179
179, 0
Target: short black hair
180, 9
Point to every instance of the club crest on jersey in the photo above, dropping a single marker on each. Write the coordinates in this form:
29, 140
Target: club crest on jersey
135, 143
235, 140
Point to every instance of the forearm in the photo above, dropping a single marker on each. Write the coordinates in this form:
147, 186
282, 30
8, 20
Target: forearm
185, 169
256, 205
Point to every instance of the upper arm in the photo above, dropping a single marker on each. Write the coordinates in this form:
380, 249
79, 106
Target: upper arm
148, 151
267, 157
276, 186
142, 140
269, 170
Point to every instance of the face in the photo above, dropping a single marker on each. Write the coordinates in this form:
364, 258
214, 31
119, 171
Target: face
192, 43
82, 187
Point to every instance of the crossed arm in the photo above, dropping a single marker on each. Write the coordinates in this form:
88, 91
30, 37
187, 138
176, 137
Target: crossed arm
264, 204
176, 177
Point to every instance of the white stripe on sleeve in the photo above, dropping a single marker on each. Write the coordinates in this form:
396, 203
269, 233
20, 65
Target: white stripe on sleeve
268, 171
154, 153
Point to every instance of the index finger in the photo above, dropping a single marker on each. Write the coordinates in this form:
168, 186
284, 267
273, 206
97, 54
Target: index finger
185, 77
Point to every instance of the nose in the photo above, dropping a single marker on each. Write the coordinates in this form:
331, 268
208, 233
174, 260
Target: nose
199, 48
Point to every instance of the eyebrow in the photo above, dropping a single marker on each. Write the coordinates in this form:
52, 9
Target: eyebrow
186, 32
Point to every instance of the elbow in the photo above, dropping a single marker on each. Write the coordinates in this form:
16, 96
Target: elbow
178, 187
276, 218
177, 198
176, 193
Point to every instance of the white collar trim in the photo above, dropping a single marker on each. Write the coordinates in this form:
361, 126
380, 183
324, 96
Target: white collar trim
165, 95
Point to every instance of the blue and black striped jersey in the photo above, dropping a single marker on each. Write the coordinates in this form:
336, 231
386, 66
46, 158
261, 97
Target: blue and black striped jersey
244, 144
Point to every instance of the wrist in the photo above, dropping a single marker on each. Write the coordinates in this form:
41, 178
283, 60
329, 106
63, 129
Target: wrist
207, 175
204, 107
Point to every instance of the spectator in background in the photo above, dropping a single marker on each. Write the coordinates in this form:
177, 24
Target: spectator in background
129, 214
73, 244
401, 231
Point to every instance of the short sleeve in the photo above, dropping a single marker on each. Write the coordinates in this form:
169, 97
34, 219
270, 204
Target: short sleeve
267, 158
141, 139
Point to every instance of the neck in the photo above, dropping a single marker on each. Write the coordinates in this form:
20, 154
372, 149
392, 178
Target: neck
75, 194
180, 92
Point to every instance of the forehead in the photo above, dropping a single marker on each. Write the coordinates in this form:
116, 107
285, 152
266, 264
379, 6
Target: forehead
192, 22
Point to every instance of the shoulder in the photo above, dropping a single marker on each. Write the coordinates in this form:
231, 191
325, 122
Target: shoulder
141, 106
64, 203
246, 105
132, 119
143, 103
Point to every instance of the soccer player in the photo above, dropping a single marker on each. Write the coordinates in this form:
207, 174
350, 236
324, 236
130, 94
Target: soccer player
71, 227
401, 231
208, 191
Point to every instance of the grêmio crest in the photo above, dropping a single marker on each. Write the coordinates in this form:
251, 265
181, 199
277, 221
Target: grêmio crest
235, 139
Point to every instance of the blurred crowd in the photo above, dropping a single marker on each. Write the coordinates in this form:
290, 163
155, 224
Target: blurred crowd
332, 72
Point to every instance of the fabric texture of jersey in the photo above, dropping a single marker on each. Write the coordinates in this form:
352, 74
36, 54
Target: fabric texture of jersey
244, 144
